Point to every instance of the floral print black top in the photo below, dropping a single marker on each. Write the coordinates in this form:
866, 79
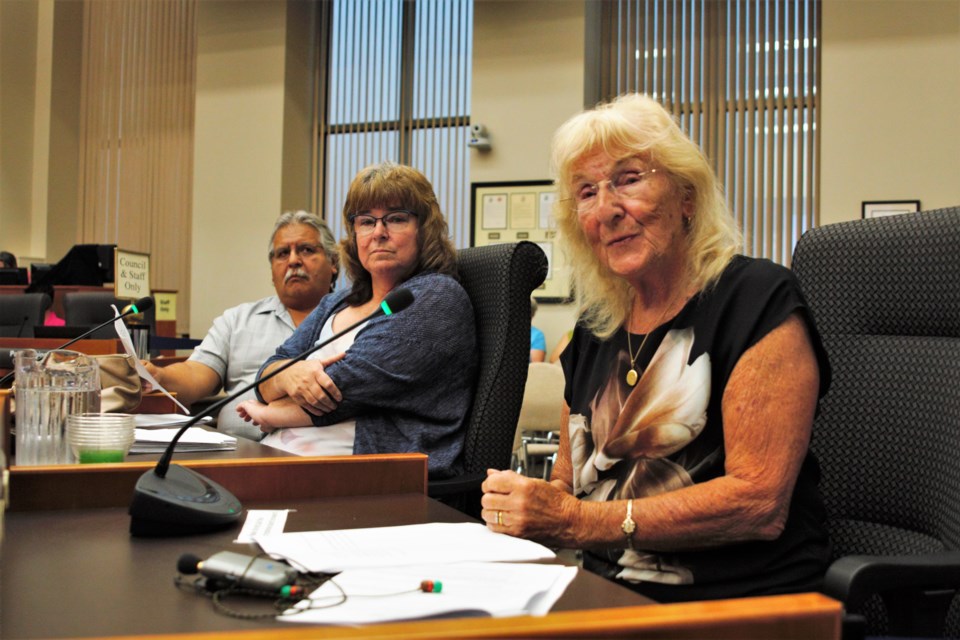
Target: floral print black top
667, 433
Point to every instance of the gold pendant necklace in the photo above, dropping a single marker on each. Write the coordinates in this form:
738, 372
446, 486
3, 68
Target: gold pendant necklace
632, 375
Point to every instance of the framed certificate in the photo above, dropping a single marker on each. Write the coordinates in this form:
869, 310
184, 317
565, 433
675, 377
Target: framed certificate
881, 208
516, 211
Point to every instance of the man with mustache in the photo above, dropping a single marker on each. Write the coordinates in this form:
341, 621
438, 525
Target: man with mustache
304, 261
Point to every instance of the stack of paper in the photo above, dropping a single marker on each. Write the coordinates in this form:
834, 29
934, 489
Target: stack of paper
150, 420
387, 594
194, 439
381, 570
438, 542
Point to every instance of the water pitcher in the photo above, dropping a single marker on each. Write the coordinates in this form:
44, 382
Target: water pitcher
48, 389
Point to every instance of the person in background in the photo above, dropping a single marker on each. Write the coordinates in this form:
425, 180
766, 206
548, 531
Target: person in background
303, 262
538, 343
692, 379
7, 260
394, 384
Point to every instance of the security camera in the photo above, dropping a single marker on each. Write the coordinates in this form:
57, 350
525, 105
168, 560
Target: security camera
479, 139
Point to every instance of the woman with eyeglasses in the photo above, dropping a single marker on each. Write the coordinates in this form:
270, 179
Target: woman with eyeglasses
395, 384
692, 379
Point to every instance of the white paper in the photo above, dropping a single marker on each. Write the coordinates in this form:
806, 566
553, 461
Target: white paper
494, 211
193, 439
392, 593
194, 435
547, 201
153, 420
262, 522
127, 342
442, 542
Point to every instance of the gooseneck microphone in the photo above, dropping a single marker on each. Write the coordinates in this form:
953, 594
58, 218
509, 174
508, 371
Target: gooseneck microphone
174, 500
138, 306
23, 325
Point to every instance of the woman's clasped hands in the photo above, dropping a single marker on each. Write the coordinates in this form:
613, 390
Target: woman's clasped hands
530, 508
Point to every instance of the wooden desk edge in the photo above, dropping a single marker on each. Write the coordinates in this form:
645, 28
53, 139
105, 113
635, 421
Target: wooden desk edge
90, 346
801, 616
84, 486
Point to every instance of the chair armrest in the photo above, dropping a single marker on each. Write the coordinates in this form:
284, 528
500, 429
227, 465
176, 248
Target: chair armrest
460, 484
542, 449
854, 578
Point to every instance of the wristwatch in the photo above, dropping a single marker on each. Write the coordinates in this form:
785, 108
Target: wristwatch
629, 525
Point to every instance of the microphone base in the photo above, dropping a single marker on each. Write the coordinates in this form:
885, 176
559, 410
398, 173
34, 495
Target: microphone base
182, 503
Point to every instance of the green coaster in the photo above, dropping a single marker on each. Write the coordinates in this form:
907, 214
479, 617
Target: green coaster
101, 455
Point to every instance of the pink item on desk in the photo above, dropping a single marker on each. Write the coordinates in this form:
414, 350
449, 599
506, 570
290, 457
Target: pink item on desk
53, 320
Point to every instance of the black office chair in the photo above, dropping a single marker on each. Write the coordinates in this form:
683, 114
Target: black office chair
885, 293
499, 279
85, 309
20, 312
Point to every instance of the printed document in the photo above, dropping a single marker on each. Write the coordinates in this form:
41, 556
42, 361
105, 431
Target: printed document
381, 547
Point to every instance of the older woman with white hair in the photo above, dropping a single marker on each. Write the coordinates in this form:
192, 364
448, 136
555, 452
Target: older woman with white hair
692, 380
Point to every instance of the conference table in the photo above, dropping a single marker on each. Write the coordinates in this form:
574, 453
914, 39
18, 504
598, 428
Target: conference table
69, 567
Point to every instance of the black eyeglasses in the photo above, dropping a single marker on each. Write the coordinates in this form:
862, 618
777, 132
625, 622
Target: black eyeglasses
395, 221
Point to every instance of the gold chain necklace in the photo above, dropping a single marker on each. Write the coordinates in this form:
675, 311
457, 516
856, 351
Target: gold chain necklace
632, 376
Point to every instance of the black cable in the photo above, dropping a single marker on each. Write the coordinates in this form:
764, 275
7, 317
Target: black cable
284, 605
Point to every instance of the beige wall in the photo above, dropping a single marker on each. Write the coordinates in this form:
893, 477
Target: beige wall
889, 93
239, 136
527, 80
64, 179
24, 130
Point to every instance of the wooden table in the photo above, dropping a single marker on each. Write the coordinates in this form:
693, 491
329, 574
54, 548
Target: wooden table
73, 570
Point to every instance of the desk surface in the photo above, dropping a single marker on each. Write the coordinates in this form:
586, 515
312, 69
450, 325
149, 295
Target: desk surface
79, 573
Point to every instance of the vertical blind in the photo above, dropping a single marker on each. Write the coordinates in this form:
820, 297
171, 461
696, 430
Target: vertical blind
741, 78
394, 80
136, 133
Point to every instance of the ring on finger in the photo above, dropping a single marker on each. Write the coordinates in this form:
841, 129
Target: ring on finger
500, 518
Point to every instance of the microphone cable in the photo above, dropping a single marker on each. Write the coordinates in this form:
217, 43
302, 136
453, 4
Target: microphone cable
283, 599
289, 596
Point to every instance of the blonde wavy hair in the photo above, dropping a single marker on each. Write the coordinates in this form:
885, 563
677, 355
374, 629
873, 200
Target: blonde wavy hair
630, 126
390, 185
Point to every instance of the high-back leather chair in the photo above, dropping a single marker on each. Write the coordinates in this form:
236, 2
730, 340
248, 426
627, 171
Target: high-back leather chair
20, 312
90, 308
499, 279
885, 294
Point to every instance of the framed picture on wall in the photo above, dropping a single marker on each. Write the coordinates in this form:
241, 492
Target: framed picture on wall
881, 208
515, 211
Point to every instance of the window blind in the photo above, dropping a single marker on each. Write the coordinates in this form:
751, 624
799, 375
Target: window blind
138, 85
395, 85
741, 78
